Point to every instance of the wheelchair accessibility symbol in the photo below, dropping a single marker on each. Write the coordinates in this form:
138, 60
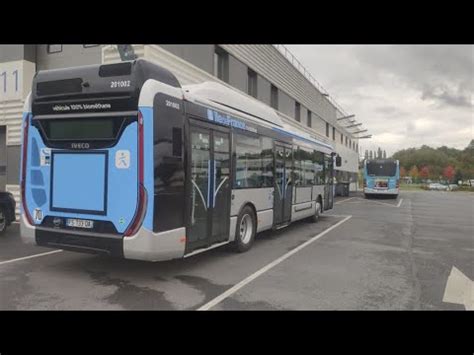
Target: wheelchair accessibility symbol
122, 159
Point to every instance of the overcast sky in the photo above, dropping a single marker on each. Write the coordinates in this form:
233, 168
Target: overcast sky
406, 96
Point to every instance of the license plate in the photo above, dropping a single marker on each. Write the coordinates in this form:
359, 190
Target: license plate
80, 223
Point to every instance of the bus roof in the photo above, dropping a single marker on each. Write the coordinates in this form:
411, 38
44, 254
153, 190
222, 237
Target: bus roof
216, 95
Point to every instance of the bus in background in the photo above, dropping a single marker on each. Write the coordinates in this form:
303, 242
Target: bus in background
122, 160
381, 177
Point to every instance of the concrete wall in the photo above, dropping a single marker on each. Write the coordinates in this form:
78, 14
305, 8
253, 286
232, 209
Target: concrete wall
13, 154
201, 55
71, 56
286, 104
238, 75
11, 52
263, 89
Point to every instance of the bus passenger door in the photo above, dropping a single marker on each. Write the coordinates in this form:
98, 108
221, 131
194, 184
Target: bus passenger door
210, 188
283, 185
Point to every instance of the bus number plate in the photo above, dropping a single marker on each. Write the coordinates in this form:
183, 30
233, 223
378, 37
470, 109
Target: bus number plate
80, 223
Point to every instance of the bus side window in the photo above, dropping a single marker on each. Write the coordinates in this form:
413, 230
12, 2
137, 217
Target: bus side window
254, 161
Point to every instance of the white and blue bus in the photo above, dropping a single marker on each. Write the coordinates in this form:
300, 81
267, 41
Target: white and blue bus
381, 177
122, 160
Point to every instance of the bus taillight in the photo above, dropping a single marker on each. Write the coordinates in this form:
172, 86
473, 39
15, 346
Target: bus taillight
142, 193
23, 169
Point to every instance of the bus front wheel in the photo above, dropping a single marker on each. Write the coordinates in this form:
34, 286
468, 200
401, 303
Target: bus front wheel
245, 230
317, 213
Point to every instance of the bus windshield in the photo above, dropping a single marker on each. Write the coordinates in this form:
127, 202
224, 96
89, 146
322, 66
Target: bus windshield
82, 128
375, 168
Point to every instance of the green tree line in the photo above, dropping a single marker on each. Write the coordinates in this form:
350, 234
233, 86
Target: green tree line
437, 163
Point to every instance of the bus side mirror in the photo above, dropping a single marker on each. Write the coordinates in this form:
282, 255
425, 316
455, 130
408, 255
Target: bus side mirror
338, 161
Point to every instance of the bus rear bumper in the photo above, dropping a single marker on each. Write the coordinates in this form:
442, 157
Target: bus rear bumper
149, 246
381, 192
27, 231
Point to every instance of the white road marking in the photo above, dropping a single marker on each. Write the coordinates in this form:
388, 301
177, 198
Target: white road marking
459, 289
264, 269
30, 257
334, 215
347, 199
400, 202
378, 202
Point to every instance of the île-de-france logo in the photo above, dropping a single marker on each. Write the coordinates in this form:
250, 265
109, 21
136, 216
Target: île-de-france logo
122, 159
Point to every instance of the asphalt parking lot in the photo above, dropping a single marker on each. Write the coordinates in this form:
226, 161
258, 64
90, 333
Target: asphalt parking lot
364, 254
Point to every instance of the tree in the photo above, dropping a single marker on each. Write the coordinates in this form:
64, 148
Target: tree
379, 153
384, 154
458, 176
403, 172
425, 172
370, 155
366, 154
414, 172
449, 172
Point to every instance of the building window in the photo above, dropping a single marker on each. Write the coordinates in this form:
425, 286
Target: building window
342, 139
327, 129
55, 48
221, 64
297, 111
308, 119
346, 141
334, 133
252, 83
357, 147
274, 97
89, 45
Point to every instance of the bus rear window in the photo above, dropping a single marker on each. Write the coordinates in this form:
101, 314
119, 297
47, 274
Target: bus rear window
103, 128
381, 169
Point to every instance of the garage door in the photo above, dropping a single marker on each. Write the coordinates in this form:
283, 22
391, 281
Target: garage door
3, 158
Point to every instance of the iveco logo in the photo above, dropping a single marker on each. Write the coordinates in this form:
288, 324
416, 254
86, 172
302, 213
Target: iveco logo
57, 221
80, 145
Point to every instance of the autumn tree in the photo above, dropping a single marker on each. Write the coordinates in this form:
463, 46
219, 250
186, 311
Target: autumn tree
414, 172
403, 172
425, 172
448, 173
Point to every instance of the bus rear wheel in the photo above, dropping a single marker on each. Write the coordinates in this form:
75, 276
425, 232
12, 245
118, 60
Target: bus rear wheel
245, 230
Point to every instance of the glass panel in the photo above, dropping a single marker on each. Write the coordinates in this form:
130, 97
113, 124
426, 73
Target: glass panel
200, 159
254, 166
221, 211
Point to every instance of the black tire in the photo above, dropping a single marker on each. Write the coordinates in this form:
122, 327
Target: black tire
3, 220
315, 218
245, 235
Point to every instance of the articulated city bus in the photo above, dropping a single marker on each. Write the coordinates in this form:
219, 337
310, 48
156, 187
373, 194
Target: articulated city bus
381, 177
122, 160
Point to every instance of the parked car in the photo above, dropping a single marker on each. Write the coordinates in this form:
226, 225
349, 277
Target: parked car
453, 187
438, 186
7, 210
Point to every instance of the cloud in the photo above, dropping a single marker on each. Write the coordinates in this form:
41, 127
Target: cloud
445, 96
405, 95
